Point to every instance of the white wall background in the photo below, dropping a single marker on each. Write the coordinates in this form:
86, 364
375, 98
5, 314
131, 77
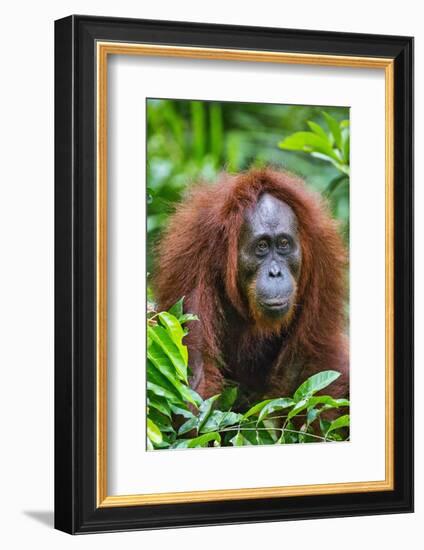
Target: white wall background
26, 274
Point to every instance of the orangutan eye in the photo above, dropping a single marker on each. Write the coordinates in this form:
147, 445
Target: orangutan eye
284, 244
262, 247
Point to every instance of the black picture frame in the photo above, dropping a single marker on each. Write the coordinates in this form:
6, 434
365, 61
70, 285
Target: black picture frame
76, 509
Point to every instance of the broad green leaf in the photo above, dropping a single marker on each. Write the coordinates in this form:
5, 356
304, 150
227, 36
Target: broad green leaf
161, 421
212, 422
205, 410
324, 425
316, 128
177, 309
200, 441
239, 440
340, 422
274, 406
299, 407
171, 384
315, 383
334, 436
153, 432
230, 419
309, 143
344, 124
327, 400
189, 425
273, 425
162, 392
204, 439
160, 336
312, 415
160, 405
256, 409
176, 332
178, 411
264, 438
227, 398
195, 397
334, 129
180, 444
161, 361
219, 420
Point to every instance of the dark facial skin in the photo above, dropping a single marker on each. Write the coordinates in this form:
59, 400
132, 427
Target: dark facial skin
270, 257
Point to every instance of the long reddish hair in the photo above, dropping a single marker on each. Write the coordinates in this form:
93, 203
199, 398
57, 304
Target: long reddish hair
197, 258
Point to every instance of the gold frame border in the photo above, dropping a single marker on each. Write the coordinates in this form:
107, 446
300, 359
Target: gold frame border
103, 49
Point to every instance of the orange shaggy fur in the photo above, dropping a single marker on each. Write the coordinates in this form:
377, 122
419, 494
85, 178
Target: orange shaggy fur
197, 258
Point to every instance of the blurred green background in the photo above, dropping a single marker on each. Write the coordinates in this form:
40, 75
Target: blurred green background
188, 141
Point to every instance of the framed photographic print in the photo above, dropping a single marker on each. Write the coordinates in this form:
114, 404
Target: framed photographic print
234, 274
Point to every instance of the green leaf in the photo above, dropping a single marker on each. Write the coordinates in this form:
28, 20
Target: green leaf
264, 437
161, 421
153, 432
200, 441
256, 409
230, 419
178, 411
212, 422
205, 410
195, 397
159, 335
324, 425
309, 143
176, 332
227, 398
177, 309
219, 420
168, 381
315, 383
312, 415
162, 392
334, 128
340, 422
316, 128
274, 406
204, 439
191, 424
273, 426
161, 361
160, 405
299, 407
239, 440
328, 401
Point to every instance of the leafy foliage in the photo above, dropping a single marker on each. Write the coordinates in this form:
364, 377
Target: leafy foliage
331, 146
179, 418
